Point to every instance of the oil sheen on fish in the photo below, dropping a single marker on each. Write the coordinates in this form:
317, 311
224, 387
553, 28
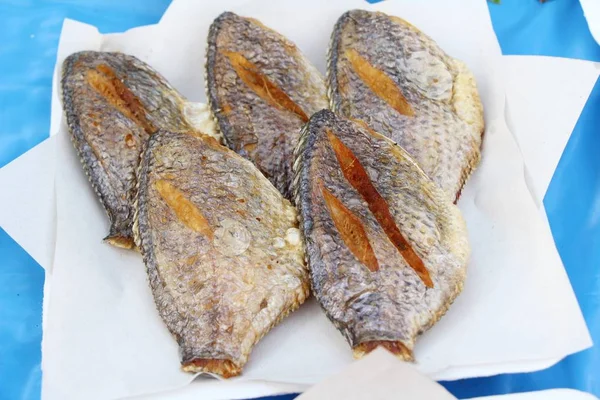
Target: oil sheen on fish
113, 102
387, 249
387, 73
222, 249
261, 90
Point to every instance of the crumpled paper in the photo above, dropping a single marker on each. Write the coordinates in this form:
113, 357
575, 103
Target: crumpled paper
104, 339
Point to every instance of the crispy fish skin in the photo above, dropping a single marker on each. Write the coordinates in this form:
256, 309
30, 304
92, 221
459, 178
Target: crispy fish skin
387, 73
381, 302
113, 102
261, 90
222, 249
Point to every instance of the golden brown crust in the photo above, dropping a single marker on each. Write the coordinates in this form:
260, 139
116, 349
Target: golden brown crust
351, 230
358, 177
185, 210
104, 80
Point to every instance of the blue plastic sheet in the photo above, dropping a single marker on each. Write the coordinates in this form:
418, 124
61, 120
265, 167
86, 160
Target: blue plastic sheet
28, 40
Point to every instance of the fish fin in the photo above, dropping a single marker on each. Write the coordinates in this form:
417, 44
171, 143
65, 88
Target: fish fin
122, 241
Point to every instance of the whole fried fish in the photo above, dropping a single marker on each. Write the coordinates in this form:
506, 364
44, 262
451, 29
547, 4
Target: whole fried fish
261, 90
387, 73
113, 102
222, 248
387, 249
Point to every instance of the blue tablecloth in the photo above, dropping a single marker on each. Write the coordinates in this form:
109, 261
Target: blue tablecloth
29, 32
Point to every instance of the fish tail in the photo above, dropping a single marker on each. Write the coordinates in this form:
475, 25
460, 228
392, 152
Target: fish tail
397, 348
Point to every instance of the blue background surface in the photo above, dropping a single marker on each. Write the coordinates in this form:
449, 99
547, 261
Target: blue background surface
29, 32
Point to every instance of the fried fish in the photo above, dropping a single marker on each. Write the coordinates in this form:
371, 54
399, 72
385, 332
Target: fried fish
113, 102
387, 73
387, 249
222, 249
261, 90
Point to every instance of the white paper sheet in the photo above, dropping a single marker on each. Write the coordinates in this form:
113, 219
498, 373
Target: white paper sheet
132, 302
540, 135
543, 105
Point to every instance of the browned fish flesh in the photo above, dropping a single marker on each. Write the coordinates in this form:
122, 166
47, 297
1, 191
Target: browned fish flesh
384, 71
113, 102
387, 249
222, 248
261, 90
